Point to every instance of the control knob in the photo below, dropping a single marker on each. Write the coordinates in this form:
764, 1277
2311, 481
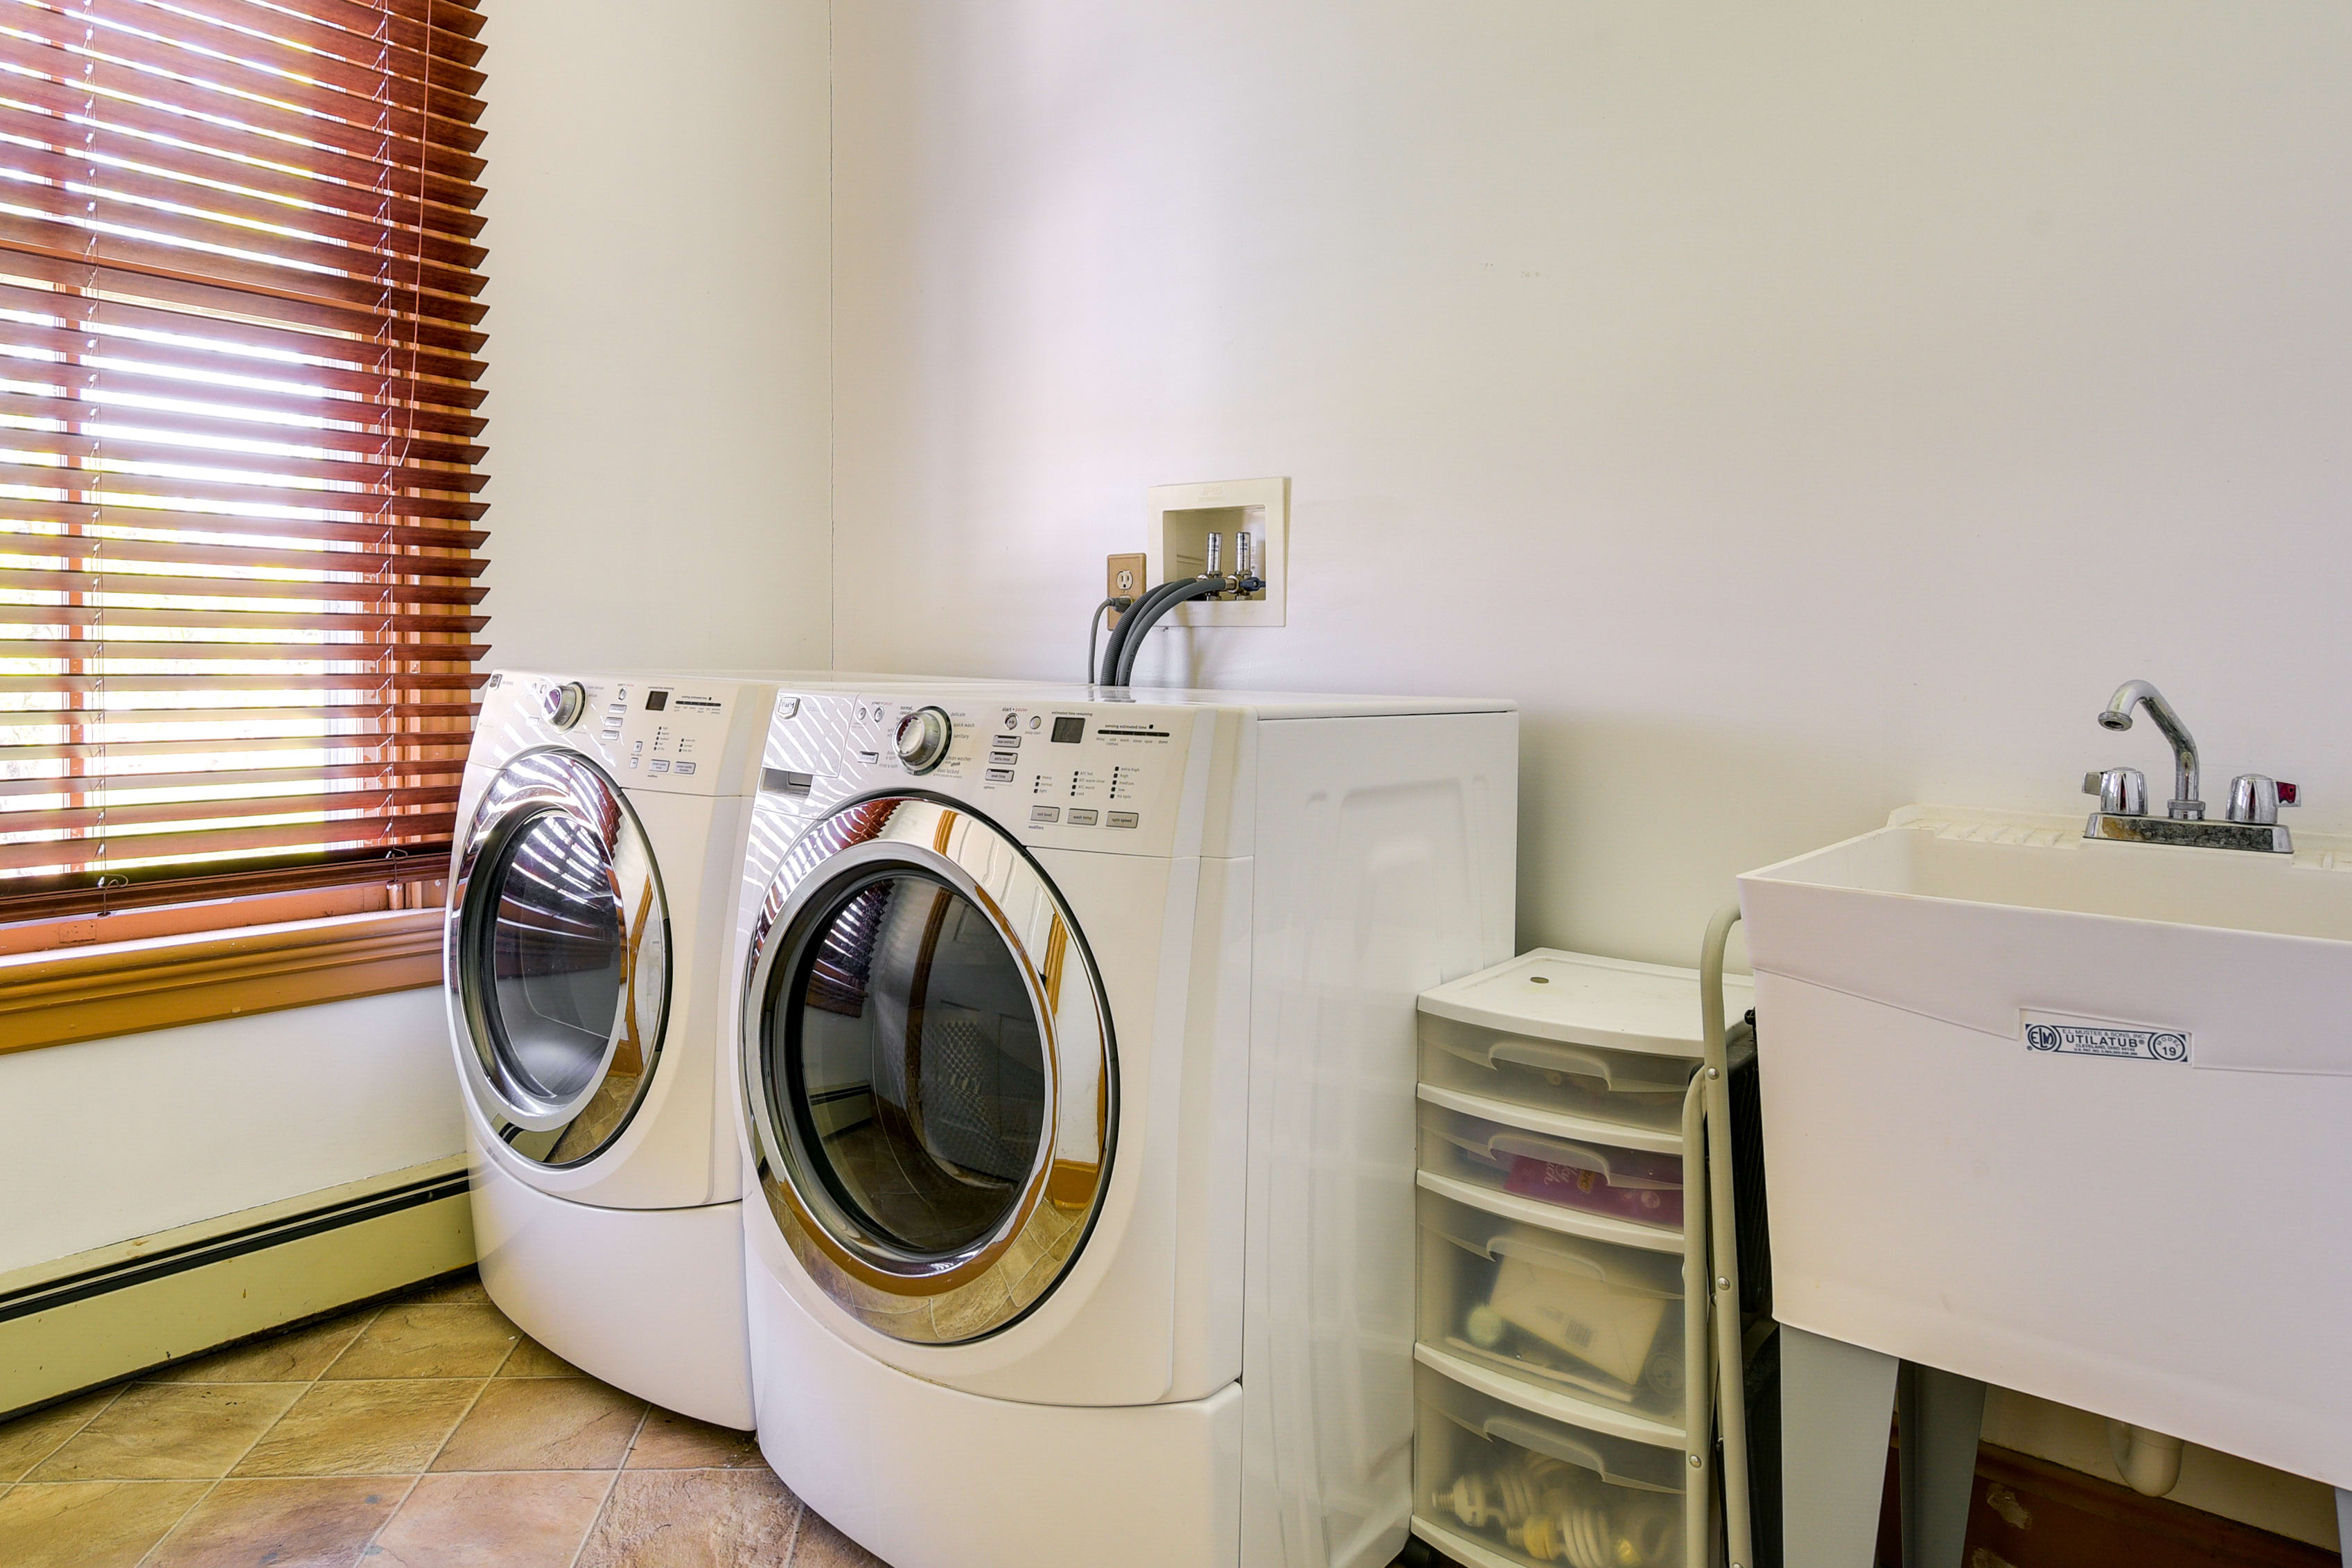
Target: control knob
565, 704
922, 739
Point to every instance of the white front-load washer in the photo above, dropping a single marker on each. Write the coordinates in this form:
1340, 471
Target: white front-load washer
1077, 1095
603, 820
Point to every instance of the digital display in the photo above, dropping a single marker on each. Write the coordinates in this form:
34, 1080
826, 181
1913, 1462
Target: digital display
1069, 729
657, 701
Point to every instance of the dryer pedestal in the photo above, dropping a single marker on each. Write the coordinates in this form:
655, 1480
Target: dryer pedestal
666, 1285
928, 1477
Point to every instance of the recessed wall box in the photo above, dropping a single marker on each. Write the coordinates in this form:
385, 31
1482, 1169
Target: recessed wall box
1180, 520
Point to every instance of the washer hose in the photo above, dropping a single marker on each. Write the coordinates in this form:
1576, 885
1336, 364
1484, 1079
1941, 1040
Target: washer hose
1147, 615
1129, 620
1094, 628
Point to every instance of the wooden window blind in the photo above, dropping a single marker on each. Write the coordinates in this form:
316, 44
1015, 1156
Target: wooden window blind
239, 445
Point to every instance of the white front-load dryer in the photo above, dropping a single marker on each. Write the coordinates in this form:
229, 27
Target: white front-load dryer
1075, 1079
603, 830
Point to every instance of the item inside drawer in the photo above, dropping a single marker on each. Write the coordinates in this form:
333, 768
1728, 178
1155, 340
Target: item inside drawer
1634, 1184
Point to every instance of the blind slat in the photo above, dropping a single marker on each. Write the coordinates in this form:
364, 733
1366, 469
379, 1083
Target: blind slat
209, 843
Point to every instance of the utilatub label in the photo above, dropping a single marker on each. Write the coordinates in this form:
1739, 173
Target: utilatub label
2052, 1036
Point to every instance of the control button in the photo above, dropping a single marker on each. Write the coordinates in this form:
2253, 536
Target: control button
632, 762
1080, 817
1034, 721
1006, 741
869, 756
1044, 814
658, 765
922, 738
1121, 819
1011, 719
1005, 758
1000, 776
788, 707
683, 768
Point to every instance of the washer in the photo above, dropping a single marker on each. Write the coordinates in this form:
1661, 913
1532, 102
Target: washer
603, 819
1076, 1088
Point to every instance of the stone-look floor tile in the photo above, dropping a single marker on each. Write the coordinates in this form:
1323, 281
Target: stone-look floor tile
545, 1424
169, 1431
295, 1357
28, 1439
462, 1289
532, 1358
533, 1518
307, 1523
384, 1428
822, 1546
90, 1524
693, 1518
408, 1340
669, 1441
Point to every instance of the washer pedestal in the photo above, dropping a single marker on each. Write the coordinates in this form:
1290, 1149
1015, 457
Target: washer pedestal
928, 1477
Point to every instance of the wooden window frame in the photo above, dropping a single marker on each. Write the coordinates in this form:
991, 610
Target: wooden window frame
68, 996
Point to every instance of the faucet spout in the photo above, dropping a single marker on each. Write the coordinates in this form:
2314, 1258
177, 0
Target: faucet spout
2187, 805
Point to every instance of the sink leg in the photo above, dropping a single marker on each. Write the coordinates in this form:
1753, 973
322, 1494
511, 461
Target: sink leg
2344, 1521
1835, 1402
1942, 1416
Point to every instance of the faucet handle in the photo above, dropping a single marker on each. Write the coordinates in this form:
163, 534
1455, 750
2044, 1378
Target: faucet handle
2256, 798
2122, 791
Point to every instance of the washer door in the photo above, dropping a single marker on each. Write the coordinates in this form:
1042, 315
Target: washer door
929, 1066
557, 962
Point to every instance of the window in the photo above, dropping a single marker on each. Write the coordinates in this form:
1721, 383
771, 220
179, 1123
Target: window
240, 447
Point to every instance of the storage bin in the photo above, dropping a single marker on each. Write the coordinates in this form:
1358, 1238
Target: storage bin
1541, 1491
1567, 1313
1624, 1086
1638, 1186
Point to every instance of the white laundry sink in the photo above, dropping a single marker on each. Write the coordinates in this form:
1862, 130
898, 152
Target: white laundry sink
2070, 1117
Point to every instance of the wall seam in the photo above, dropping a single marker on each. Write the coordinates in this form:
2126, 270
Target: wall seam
832, 379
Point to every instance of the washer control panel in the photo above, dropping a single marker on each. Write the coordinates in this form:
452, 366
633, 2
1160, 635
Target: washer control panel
1097, 775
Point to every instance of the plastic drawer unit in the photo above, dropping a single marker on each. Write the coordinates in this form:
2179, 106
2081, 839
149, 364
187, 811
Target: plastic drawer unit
1530, 1490
1603, 1038
1568, 1313
1638, 1186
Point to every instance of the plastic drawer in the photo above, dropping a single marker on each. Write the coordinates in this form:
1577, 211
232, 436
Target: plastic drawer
1632, 1087
1541, 1491
1638, 1186
1567, 1313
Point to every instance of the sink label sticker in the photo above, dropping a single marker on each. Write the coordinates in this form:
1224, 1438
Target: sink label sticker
2051, 1035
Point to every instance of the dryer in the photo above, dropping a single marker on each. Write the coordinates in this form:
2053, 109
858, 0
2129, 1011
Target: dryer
1075, 1086
603, 818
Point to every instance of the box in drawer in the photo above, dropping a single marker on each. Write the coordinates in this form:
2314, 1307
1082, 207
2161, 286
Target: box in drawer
1636, 1089
1539, 1490
1635, 1184
1579, 1316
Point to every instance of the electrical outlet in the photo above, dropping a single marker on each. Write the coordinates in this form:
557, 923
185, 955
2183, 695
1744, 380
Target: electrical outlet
1122, 579
1178, 521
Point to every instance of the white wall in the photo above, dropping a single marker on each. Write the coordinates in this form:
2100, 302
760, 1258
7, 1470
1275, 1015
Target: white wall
118, 1138
1801, 409
657, 229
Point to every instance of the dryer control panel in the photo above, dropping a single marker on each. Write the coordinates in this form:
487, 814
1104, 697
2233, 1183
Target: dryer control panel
667, 734
1107, 776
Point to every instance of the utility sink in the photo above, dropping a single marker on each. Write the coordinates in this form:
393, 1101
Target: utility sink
2071, 1117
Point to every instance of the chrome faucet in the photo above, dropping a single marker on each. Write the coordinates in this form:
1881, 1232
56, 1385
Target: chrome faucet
2254, 799
2187, 805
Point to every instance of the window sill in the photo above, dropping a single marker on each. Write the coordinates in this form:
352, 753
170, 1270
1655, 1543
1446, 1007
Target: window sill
61, 999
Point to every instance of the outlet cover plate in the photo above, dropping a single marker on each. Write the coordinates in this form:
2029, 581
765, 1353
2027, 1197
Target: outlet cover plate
1178, 520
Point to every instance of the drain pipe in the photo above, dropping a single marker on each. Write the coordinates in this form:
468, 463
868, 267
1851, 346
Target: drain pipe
2148, 1461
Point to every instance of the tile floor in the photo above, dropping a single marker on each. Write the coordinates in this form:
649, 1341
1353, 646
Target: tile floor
425, 1432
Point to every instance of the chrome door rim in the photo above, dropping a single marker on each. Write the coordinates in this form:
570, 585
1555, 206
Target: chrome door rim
990, 1283
543, 781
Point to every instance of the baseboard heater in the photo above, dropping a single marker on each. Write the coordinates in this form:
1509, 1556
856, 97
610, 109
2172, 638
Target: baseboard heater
124, 1309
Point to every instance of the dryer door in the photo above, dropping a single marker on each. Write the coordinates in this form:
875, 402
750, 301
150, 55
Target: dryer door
929, 1066
557, 959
